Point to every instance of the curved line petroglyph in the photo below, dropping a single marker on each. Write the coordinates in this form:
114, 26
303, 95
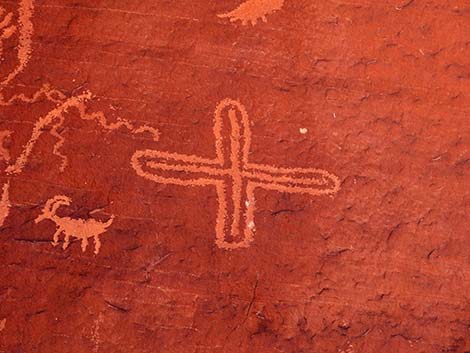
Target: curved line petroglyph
251, 11
235, 178
55, 119
24, 29
82, 229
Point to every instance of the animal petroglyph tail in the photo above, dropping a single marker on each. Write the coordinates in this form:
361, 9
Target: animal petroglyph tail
253, 10
25, 32
232, 174
71, 227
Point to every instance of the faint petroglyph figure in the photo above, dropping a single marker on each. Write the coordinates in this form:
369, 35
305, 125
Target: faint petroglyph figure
78, 228
96, 335
16, 25
232, 174
253, 10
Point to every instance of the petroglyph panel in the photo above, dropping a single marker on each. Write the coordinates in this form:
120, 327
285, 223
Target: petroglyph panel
323, 207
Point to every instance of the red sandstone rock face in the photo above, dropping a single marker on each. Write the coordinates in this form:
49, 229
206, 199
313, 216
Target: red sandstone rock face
326, 209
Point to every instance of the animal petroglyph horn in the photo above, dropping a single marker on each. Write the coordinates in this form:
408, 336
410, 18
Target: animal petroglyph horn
232, 174
77, 228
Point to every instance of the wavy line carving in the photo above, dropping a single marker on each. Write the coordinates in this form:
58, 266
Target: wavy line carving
53, 121
56, 118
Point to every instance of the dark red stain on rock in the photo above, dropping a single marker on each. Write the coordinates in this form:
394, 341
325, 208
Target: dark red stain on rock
382, 89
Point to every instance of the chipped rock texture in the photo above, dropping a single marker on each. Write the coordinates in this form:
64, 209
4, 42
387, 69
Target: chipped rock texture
353, 220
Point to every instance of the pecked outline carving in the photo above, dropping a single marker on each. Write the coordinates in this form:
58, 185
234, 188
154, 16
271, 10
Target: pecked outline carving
232, 174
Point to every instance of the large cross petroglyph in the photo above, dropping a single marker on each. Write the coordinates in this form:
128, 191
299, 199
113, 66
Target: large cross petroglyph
232, 174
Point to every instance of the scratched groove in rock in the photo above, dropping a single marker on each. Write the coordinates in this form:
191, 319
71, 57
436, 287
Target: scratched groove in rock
334, 167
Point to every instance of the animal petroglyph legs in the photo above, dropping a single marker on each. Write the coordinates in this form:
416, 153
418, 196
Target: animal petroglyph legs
66, 243
251, 11
55, 237
77, 228
233, 176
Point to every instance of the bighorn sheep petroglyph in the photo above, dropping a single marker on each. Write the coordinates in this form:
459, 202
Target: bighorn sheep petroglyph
71, 227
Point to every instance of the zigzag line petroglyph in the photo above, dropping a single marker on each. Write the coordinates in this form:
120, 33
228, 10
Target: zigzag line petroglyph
39, 128
56, 118
52, 95
234, 177
77, 228
253, 10
25, 32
